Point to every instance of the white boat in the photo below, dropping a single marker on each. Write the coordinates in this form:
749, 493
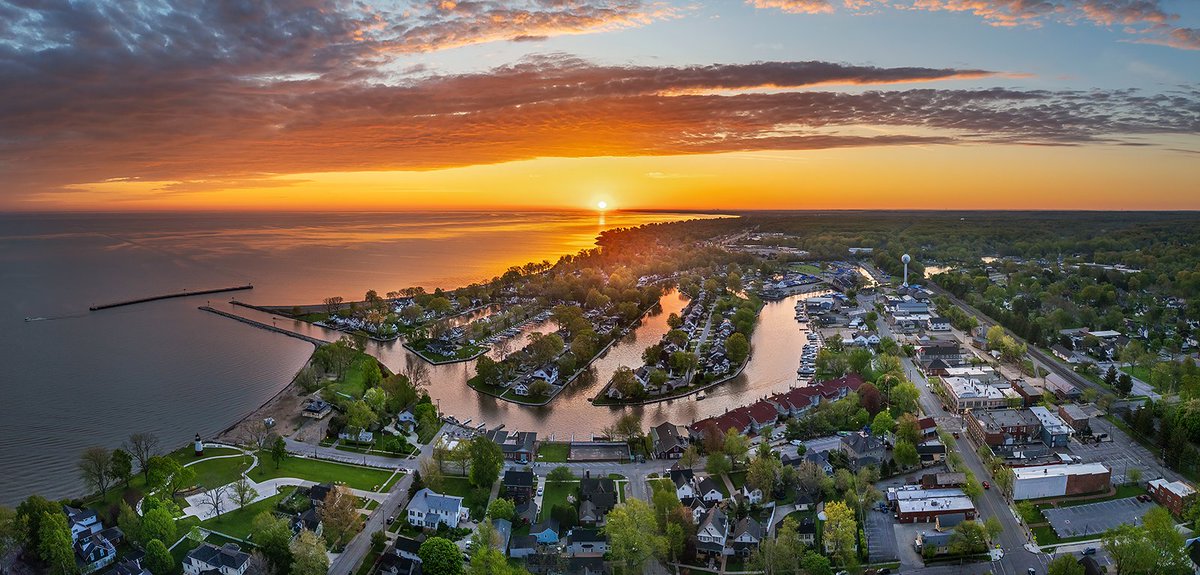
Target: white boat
699, 396
806, 370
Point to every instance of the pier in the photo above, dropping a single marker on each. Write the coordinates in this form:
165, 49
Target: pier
268, 327
184, 293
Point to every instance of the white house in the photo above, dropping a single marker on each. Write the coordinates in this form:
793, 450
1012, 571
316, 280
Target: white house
754, 496
228, 559
428, 508
547, 373
714, 528
708, 491
684, 480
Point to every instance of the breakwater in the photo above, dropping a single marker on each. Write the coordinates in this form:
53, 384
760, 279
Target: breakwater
184, 293
268, 327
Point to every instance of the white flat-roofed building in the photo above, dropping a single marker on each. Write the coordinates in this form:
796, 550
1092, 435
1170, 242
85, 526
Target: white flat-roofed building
923, 505
970, 394
1059, 480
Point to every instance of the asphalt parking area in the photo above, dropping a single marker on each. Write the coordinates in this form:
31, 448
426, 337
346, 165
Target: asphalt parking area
598, 452
1096, 518
1119, 458
881, 537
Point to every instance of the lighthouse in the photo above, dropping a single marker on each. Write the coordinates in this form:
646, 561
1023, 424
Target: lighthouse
199, 446
906, 258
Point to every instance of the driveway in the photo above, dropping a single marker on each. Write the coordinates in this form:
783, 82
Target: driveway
881, 537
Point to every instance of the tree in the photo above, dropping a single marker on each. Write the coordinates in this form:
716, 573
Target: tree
158, 523
279, 451
883, 424
1124, 384
1064, 565
763, 473
870, 399
969, 538
95, 468
674, 321
143, 446
905, 454
1134, 475
486, 461
561, 473
158, 558
624, 381
814, 563
54, 543
736, 446
780, 554
737, 347
129, 522
431, 473
339, 515
214, 498
308, 555
690, 457
29, 516
120, 466
359, 415
718, 464
631, 544
501, 509
809, 477
904, 397
908, 429
1110, 376
440, 556
243, 491
273, 537
841, 533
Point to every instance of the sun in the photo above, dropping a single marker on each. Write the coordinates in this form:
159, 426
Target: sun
602, 205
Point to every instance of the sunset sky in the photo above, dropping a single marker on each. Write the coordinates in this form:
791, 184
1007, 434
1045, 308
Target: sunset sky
756, 104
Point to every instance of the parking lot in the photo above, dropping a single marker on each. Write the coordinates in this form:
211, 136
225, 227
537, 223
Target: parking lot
599, 452
1096, 518
1119, 457
881, 536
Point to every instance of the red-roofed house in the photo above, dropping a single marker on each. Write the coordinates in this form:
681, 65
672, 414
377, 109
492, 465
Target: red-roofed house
762, 414
927, 426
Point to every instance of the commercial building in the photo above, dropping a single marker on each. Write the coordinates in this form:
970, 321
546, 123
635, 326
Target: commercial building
1055, 432
966, 393
1059, 480
913, 504
1174, 495
1003, 426
1074, 416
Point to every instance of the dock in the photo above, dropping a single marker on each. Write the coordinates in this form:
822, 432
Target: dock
184, 293
268, 327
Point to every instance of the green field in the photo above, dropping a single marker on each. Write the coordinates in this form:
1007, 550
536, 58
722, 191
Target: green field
1138, 372
239, 522
355, 382
738, 478
807, 269
323, 472
474, 498
556, 494
216, 472
553, 452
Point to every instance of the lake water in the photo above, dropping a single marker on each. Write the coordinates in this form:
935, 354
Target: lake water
78, 379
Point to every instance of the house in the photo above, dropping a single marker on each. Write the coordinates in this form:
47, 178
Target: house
526, 512
708, 490
762, 414
597, 496
406, 418
932, 452
518, 485
392, 564
586, 542
521, 389
363, 436
587, 565
1174, 495
1054, 432
937, 542
228, 559
669, 441
939, 324
129, 566
1061, 352
316, 409
1074, 416
712, 532
429, 508
1029, 394
821, 459
685, 483
804, 501
864, 449
503, 529
546, 532
405, 547
754, 496
806, 531
547, 373
519, 446
522, 546
928, 426
95, 547
746, 536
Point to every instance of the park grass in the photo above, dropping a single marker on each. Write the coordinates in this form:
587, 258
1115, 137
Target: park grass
474, 498
556, 494
354, 384
1138, 372
807, 269
553, 452
187, 453
364, 478
239, 523
212, 472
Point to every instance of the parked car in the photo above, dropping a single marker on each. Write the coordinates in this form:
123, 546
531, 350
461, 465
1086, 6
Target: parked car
1089, 551
955, 435
391, 519
987, 485
796, 442
541, 490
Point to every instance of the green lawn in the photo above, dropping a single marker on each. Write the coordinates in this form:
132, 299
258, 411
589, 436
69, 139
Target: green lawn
216, 472
1138, 372
187, 453
421, 347
553, 452
738, 478
556, 494
657, 485
474, 498
322, 472
355, 382
1123, 492
239, 522
807, 269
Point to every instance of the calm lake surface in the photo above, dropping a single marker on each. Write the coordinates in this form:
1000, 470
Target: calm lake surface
79, 378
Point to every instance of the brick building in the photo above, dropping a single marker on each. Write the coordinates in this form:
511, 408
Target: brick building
1060, 480
1003, 426
1175, 495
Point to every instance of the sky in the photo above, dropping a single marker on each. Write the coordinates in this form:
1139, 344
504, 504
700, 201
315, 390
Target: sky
727, 105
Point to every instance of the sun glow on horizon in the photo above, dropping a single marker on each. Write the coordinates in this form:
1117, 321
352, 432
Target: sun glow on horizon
602, 205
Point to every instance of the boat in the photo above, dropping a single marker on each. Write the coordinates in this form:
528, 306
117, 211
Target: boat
699, 396
806, 370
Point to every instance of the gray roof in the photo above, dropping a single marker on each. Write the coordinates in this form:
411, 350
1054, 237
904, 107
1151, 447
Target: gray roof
427, 500
708, 484
716, 518
228, 555
513, 441
748, 526
666, 436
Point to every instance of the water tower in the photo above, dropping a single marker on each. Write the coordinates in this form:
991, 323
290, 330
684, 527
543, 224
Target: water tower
906, 258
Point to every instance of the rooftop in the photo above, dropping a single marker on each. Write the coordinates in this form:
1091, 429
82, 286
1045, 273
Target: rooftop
996, 420
1177, 487
1043, 470
1050, 422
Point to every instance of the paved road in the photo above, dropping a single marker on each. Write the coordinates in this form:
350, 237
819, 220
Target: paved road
348, 560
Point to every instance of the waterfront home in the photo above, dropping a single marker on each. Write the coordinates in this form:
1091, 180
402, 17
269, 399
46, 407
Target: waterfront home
519, 446
521, 389
316, 409
582, 541
95, 547
547, 373
712, 532
746, 536
669, 441
406, 418
518, 484
597, 496
428, 509
228, 559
